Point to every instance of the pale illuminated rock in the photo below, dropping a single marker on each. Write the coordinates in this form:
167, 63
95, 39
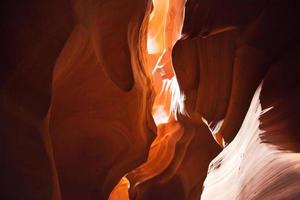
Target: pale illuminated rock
250, 169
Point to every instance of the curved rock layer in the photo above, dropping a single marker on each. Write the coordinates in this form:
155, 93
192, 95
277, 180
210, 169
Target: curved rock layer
192, 139
98, 114
96, 108
261, 160
187, 170
163, 30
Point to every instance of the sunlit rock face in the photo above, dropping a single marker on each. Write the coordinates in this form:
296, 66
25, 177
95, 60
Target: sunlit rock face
172, 161
261, 160
196, 148
251, 169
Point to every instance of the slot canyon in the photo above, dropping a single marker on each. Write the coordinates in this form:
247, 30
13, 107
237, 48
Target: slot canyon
150, 100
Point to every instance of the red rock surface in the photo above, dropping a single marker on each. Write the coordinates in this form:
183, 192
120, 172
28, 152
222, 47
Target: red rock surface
78, 100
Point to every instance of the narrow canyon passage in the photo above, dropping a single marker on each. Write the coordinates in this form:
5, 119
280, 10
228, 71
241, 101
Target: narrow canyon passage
123, 99
163, 30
